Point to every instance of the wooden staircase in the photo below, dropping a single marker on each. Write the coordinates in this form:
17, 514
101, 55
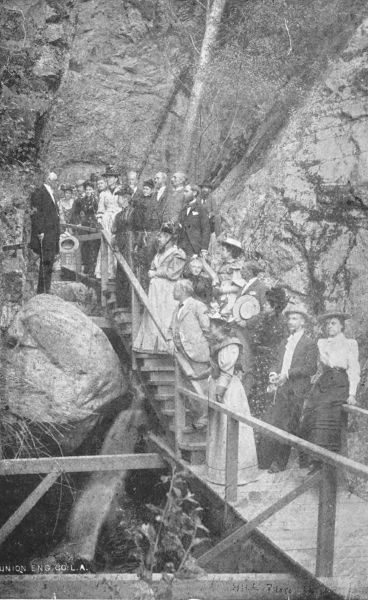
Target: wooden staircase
157, 374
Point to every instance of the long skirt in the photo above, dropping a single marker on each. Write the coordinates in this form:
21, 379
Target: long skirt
161, 299
235, 399
107, 222
323, 418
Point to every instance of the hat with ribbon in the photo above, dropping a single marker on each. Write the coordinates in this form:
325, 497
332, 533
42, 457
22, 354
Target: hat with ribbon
338, 314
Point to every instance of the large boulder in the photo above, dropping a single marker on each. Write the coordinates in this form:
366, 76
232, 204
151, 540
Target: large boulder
62, 370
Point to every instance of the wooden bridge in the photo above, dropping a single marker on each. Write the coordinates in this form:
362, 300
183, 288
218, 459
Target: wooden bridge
316, 527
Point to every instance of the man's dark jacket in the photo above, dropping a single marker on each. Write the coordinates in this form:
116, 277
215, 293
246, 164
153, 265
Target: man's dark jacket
195, 232
303, 365
44, 219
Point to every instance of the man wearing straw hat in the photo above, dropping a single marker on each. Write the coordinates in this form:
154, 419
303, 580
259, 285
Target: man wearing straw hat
290, 382
45, 230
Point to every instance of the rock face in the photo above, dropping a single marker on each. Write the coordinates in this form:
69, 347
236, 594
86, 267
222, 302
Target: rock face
63, 370
306, 208
123, 74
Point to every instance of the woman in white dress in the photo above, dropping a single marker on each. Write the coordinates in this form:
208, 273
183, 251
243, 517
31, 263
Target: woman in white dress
108, 207
334, 384
166, 268
226, 388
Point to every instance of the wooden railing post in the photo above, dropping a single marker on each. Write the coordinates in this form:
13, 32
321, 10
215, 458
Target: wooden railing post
326, 522
232, 448
104, 270
136, 317
179, 411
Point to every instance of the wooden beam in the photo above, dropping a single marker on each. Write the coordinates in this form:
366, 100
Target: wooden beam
326, 522
287, 438
80, 464
355, 410
252, 586
232, 451
28, 504
179, 412
245, 530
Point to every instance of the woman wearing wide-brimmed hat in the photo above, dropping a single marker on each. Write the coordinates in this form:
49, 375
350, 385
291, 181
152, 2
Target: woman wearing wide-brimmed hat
225, 387
335, 384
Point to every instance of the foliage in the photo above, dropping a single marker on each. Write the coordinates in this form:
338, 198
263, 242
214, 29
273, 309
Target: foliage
167, 541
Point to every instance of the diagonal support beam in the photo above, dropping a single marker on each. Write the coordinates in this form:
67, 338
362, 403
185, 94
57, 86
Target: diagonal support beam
245, 530
28, 504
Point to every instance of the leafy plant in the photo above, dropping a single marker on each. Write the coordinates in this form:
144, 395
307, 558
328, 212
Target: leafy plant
166, 543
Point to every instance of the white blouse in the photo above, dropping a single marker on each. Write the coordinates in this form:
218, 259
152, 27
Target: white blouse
342, 353
227, 358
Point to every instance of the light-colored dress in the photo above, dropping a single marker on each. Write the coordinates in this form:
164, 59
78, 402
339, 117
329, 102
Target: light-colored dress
229, 276
235, 398
108, 208
168, 267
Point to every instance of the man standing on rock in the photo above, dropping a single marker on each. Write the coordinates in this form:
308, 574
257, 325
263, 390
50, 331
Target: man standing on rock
175, 200
45, 230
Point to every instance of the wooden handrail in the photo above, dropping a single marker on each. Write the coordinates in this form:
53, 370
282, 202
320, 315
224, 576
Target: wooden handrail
279, 434
80, 464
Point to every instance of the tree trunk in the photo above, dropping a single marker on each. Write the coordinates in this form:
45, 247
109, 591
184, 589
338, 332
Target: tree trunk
209, 39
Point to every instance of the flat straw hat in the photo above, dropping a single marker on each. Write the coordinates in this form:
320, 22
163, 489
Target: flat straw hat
245, 307
229, 241
334, 313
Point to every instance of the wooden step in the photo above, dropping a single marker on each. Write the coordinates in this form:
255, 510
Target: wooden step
163, 401
162, 388
120, 316
170, 412
157, 363
162, 377
157, 368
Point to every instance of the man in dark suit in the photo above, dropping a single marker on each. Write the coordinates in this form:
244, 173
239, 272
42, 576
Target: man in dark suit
45, 230
290, 382
195, 224
254, 286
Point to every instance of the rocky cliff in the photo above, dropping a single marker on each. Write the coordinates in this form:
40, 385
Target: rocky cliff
305, 207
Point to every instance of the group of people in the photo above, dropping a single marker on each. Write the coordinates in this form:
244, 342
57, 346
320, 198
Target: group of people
242, 341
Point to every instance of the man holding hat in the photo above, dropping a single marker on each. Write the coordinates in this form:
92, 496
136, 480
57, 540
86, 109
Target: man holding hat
290, 382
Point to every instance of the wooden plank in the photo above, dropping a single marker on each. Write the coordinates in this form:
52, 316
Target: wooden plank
26, 506
80, 464
245, 530
231, 469
326, 522
89, 236
179, 412
279, 434
253, 586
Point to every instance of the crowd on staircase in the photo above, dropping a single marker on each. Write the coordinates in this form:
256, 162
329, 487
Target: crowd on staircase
245, 343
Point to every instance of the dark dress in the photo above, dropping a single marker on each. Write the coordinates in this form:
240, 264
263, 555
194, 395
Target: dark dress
265, 333
122, 230
85, 210
323, 418
339, 375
